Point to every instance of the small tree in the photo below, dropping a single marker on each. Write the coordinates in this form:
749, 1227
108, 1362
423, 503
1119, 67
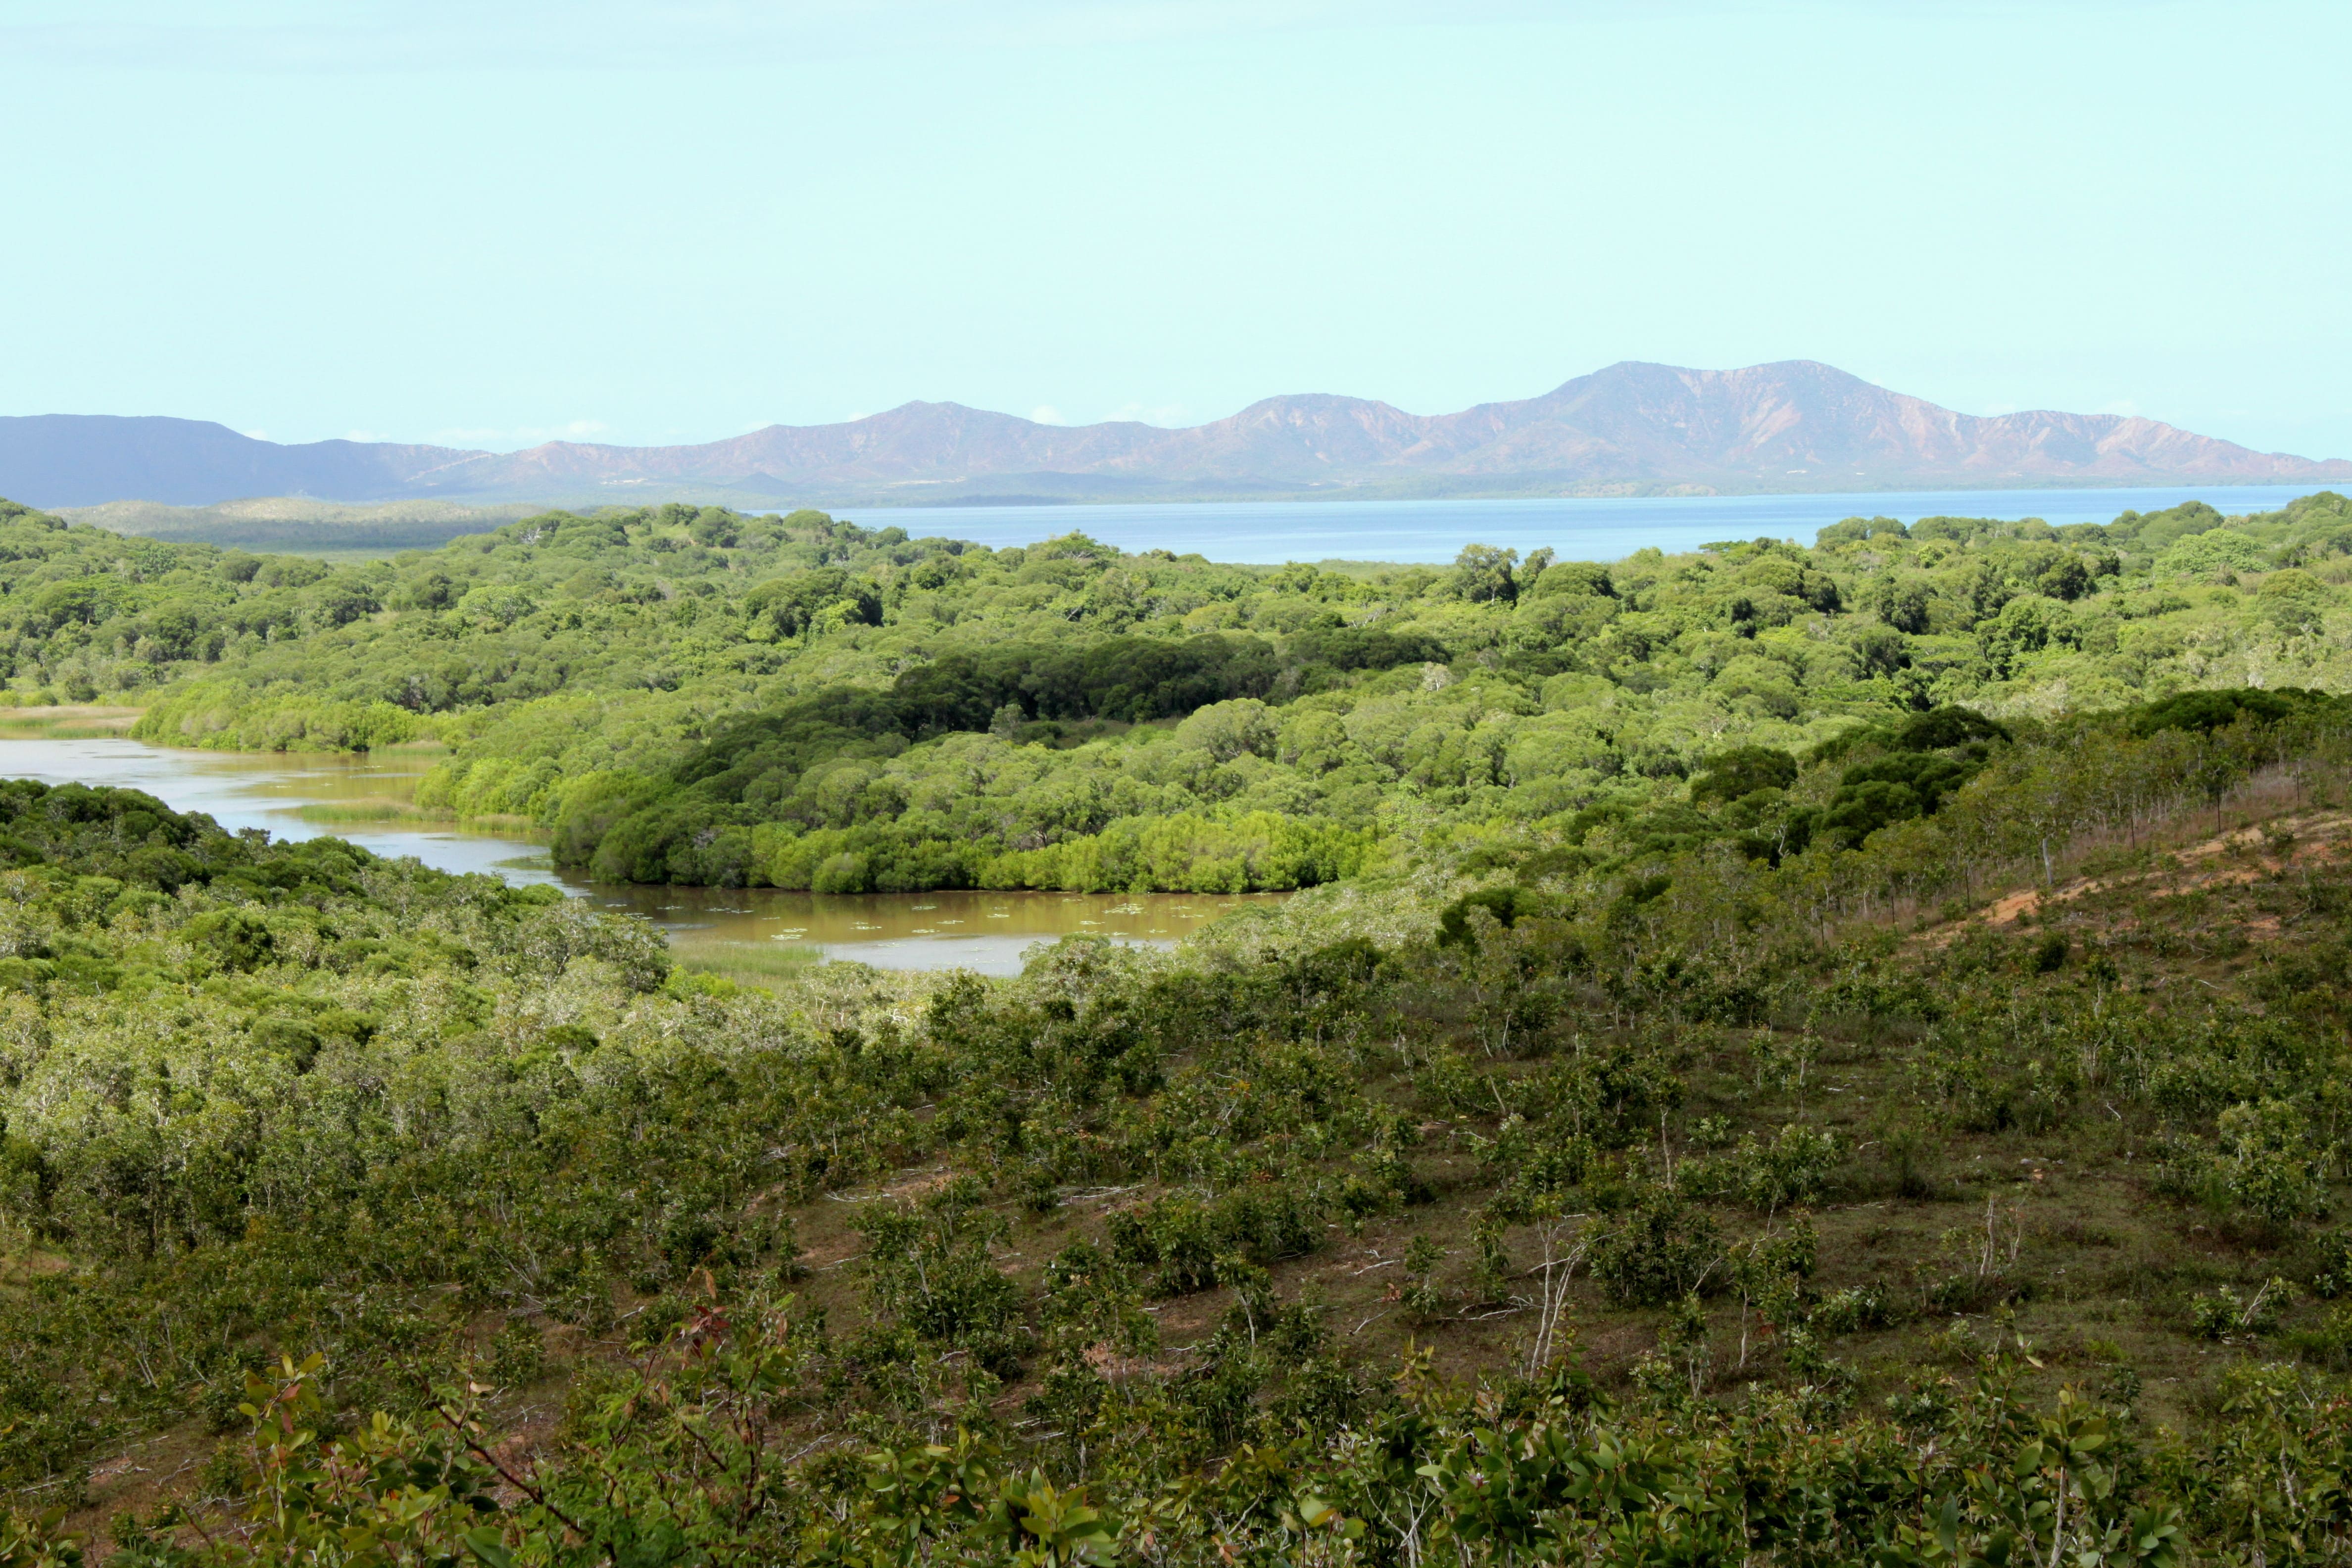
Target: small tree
2268, 1162
1483, 573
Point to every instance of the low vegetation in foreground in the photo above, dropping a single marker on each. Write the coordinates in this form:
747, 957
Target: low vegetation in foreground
1745, 1183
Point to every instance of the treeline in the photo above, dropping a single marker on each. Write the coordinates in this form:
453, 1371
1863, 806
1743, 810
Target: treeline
1568, 714
705, 677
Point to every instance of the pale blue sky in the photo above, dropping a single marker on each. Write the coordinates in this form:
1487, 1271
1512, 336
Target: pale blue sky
490, 223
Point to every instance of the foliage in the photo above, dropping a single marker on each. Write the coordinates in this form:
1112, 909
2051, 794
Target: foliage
702, 696
1884, 1136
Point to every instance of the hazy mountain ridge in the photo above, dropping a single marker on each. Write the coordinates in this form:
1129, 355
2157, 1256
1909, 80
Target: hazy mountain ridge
1633, 427
87, 459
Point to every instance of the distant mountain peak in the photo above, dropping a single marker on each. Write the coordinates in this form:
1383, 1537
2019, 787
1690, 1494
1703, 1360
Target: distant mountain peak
1627, 427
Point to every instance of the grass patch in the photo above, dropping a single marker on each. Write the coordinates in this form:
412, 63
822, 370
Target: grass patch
750, 962
378, 810
66, 723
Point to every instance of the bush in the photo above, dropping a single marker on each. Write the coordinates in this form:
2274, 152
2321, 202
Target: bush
1660, 1251
518, 1353
1850, 1310
1792, 1169
2331, 1274
1182, 1238
2268, 1163
2222, 1314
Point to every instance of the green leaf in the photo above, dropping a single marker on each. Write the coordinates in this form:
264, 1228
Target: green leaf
486, 1545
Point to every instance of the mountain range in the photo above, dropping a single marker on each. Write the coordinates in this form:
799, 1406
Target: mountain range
1630, 429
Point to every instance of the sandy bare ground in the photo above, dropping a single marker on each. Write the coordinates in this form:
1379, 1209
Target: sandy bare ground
2235, 858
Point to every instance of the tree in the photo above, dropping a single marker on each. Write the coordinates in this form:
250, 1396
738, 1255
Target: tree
1483, 573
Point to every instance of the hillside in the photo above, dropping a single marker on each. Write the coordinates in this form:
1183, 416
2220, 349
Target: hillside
1970, 1196
1630, 428
88, 460
1777, 1056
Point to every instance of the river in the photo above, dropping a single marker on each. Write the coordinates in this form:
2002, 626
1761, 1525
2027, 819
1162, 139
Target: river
749, 933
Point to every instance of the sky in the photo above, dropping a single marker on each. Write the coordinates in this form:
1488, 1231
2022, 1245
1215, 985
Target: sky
488, 224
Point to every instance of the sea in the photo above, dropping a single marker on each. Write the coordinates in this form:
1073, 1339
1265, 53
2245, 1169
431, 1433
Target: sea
1573, 528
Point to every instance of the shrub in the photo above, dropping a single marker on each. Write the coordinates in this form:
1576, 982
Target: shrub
1792, 1169
2331, 1274
1660, 1251
2268, 1162
2221, 1313
1846, 1311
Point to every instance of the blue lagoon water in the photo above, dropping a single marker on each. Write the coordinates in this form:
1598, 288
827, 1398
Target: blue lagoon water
1575, 528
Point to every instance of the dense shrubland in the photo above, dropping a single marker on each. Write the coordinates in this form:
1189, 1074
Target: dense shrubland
700, 696
1799, 1056
1662, 1196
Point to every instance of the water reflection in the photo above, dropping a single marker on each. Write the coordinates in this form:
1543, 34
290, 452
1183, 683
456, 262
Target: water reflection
981, 932
750, 932
271, 789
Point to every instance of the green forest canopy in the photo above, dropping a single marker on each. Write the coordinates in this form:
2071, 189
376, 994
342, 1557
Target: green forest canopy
699, 696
